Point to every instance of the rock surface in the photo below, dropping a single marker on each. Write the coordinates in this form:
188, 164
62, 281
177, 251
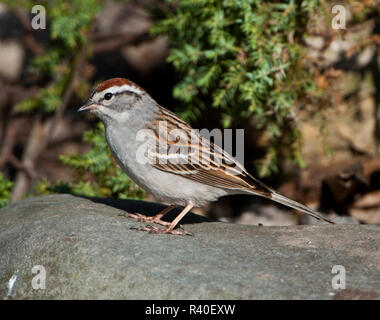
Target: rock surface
90, 252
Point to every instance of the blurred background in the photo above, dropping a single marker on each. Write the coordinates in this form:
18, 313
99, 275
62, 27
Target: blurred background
306, 93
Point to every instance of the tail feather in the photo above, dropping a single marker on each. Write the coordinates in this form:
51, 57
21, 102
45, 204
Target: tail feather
298, 206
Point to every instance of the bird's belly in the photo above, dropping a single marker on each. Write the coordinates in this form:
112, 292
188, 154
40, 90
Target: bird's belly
164, 186
171, 188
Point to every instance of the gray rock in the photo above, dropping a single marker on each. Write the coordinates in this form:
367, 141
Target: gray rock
90, 252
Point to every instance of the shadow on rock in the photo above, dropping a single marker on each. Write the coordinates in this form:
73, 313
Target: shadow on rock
149, 209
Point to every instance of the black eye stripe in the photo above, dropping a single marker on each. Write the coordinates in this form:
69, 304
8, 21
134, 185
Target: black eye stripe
92, 93
121, 92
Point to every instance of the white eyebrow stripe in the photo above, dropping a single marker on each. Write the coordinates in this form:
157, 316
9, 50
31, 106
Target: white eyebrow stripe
123, 88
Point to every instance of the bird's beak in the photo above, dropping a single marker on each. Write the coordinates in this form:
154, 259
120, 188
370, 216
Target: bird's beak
89, 105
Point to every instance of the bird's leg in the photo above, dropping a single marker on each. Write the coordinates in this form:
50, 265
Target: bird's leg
152, 219
170, 228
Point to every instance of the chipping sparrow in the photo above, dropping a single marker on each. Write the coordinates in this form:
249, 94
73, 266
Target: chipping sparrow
127, 110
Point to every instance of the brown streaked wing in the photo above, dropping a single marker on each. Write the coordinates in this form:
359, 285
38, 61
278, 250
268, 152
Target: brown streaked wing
216, 177
214, 167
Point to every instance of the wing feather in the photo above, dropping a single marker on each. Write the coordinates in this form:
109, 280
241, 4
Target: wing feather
210, 165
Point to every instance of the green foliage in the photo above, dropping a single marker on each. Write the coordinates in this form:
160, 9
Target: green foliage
242, 57
246, 58
108, 179
5, 190
69, 23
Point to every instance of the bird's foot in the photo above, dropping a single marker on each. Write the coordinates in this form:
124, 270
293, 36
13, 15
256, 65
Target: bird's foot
166, 230
148, 219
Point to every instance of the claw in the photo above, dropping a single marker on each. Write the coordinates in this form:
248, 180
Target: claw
151, 229
169, 226
149, 219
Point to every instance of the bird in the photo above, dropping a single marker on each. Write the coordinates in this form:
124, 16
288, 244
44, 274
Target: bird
144, 138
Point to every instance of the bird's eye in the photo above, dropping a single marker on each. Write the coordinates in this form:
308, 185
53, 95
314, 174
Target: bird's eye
108, 96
